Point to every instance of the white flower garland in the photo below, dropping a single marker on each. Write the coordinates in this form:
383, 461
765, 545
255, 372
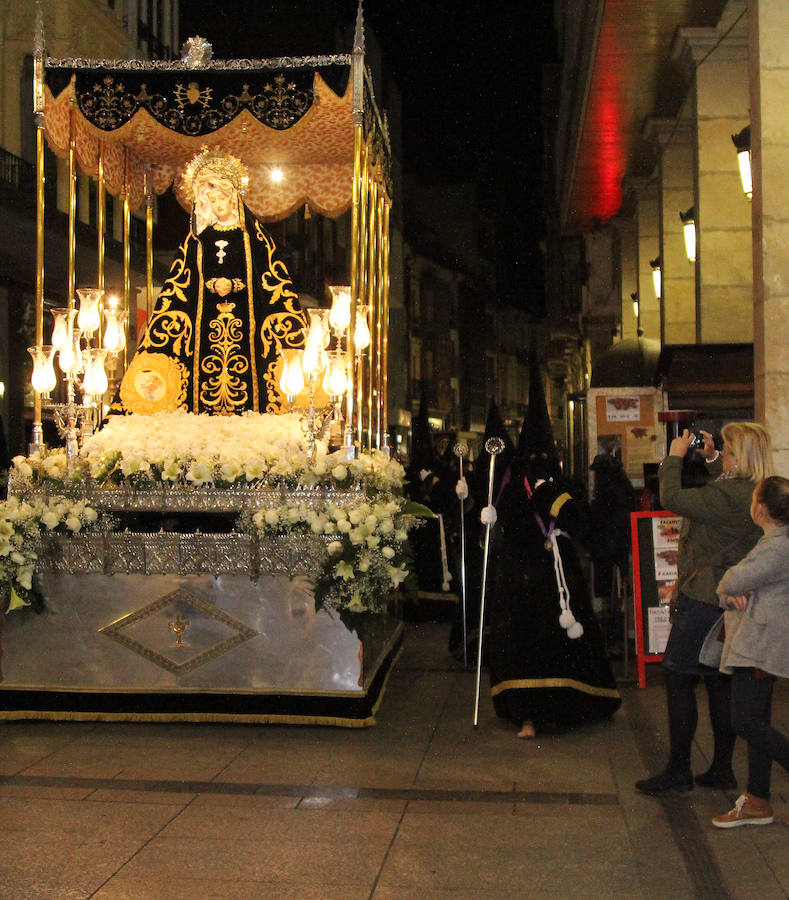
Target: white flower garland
369, 555
21, 525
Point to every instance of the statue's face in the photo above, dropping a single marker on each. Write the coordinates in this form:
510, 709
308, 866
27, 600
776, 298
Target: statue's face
218, 195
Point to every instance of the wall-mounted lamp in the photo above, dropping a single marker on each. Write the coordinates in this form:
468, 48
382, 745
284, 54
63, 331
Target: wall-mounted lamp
637, 312
657, 276
689, 228
742, 141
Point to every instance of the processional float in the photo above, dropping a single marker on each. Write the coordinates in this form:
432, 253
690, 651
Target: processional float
251, 640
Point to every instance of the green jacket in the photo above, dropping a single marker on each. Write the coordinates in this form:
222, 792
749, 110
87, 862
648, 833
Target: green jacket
717, 531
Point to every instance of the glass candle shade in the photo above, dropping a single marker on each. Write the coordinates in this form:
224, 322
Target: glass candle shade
335, 381
292, 379
340, 313
94, 382
44, 378
88, 317
64, 322
114, 330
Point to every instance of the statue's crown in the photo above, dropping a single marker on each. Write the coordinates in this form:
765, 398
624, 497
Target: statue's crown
220, 162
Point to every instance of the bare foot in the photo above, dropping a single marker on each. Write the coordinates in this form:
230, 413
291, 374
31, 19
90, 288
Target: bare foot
527, 730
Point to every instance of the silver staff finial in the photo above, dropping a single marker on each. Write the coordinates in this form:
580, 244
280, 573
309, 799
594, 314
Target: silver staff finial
460, 449
494, 445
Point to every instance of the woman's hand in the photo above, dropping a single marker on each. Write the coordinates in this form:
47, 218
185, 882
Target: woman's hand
679, 446
738, 602
708, 451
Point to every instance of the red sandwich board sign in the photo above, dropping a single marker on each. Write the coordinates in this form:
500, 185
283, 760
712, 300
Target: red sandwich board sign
655, 543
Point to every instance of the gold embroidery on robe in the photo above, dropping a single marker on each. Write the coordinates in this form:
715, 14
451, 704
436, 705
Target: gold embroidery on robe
168, 325
222, 390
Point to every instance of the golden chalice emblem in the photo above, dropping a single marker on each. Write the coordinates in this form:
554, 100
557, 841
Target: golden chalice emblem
178, 627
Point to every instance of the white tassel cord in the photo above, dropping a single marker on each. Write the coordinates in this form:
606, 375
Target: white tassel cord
444, 564
567, 620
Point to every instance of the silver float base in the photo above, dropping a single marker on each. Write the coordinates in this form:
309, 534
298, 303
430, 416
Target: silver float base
193, 648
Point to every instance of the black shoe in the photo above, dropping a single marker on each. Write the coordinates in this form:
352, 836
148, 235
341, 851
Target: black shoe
666, 781
717, 778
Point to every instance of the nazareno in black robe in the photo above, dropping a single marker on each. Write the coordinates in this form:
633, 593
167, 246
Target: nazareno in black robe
537, 671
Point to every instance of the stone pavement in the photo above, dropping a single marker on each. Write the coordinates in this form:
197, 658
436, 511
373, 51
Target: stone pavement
421, 806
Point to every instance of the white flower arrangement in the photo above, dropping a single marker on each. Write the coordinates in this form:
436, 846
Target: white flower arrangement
367, 559
369, 556
21, 525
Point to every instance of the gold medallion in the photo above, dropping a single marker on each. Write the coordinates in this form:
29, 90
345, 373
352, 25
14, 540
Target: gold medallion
153, 383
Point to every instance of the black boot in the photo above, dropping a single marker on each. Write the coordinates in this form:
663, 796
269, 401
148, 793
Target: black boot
720, 773
682, 721
667, 780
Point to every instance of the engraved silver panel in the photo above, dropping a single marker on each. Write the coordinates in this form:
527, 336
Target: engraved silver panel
158, 633
112, 633
167, 553
161, 498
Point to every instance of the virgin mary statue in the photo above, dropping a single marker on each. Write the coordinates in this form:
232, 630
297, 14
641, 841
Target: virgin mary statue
225, 313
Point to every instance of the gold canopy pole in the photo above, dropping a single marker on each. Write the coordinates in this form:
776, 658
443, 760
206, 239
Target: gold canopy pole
37, 433
379, 289
357, 156
101, 214
126, 240
363, 239
385, 317
149, 240
72, 209
372, 231
357, 79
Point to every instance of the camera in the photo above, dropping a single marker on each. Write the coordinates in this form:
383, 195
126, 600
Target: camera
698, 442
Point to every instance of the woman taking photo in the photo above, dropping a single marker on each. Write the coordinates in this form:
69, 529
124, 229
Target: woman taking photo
717, 532
756, 649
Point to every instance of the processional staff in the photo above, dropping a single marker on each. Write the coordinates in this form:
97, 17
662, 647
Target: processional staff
494, 446
461, 489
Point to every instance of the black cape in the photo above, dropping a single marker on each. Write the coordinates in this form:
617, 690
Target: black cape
537, 671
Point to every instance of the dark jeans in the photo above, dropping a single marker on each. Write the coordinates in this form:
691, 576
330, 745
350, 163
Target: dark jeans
751, 710
683, 671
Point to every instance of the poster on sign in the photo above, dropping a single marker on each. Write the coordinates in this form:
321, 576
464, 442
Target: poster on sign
655, 540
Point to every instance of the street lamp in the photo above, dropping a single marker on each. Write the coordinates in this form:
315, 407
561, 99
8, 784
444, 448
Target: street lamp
742, 141
689, 228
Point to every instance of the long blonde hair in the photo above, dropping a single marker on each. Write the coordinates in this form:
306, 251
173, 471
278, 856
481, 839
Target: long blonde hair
749, 444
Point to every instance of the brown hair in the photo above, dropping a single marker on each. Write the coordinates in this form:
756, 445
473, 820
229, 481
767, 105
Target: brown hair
773, 493
749, 444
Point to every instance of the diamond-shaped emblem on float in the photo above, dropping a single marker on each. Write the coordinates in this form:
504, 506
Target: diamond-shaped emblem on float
179, 632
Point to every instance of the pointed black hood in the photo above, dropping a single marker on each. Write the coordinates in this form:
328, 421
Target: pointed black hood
422, 454
536, 446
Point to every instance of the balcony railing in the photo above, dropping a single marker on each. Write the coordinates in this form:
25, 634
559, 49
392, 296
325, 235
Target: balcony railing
19, 174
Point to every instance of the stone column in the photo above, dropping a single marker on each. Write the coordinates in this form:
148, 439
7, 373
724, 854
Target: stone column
627, 231
676, 194
648, 250
716, 60
769, 79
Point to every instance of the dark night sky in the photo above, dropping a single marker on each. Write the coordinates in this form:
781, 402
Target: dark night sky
469, 76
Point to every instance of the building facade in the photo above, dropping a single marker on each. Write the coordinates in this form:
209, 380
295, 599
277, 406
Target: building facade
652, 97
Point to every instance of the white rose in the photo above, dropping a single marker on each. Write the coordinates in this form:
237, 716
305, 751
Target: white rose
73, 523
339, 473
50, 519
272, 517
388, 552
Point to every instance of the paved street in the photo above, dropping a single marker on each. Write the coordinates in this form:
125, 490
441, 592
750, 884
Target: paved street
421, 806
